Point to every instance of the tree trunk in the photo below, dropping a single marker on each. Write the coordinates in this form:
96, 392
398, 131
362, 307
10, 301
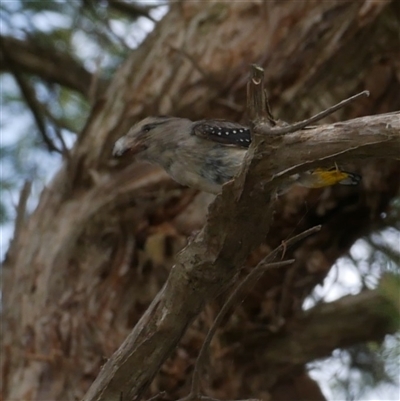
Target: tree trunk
87, 263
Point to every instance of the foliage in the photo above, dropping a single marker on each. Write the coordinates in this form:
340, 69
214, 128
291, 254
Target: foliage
98, 37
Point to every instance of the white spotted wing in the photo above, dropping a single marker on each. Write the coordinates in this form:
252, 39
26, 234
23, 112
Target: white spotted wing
221, 131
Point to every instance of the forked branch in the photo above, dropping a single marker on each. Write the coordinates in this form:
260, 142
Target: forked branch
238, 295
307, 122
211, 261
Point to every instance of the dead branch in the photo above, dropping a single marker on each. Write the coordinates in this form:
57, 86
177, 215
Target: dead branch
209, 263
262, 129
237, 296
257, 100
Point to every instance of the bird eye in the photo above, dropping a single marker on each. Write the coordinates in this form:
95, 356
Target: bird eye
147, 128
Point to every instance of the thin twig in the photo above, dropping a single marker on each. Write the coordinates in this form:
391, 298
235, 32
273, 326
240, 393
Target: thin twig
64, 147
291, 241
58, 122
264, 129
29, 95
36, 108
235, 297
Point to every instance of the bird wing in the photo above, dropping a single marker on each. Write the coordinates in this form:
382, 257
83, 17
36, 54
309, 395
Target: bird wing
224, 132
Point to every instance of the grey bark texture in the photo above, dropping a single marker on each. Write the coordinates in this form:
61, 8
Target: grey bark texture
86, 270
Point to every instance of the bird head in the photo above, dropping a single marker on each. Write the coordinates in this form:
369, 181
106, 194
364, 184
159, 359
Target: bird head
140, 136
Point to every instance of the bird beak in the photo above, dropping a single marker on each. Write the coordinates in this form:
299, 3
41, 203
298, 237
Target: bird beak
125, 146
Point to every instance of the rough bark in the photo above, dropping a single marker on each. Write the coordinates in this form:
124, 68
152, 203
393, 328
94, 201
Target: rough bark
211, 261
98, 247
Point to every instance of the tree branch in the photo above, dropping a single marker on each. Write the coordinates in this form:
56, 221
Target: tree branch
33, 104
43, 274
48, 63
331, 325
373, 136
265, 129
133, 10
237, 295
209, 263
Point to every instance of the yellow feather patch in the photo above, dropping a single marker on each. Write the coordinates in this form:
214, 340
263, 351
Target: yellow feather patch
325, 178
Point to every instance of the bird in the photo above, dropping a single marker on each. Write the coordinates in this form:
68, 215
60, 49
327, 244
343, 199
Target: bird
206, 154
